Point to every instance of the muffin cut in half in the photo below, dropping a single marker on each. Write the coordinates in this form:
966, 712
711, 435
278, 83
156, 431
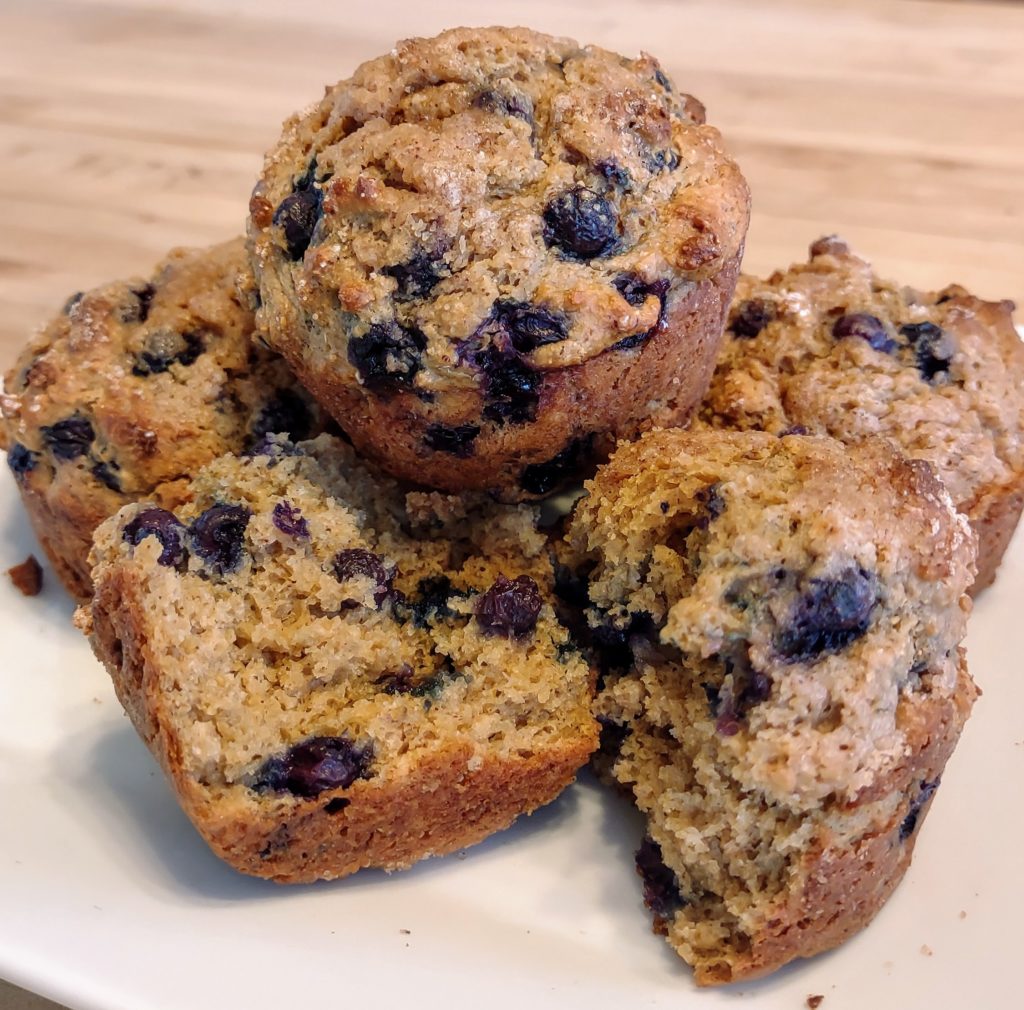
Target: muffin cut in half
491, 253
778, 623
132, 388
828, 348
334, 674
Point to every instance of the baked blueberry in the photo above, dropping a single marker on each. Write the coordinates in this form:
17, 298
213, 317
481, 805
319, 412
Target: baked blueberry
217, 536
661, 885
297, 216
543, 478
749, 318
418, 276
456, 440
933, 349
582, 224
357, 562
290, 521
21, 459
320, 763
165, 347
387, 356
510, 608
70, 438
165, 526
866, 327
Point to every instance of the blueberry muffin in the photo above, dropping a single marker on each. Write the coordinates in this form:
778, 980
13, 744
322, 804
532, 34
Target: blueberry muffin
828, 348
493, 251
334, 674
777, 621
131, 389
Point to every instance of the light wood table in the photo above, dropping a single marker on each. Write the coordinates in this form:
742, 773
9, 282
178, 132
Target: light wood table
129, 126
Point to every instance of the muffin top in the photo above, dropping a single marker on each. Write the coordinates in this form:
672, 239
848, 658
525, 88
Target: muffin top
140, 382
804, 584
829, 347
488, 193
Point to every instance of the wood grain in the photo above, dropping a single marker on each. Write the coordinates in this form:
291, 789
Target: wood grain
127, 127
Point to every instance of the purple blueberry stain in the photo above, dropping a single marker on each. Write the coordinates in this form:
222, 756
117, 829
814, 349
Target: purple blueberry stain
510, 608
866, 327
357, 562
387, 356
581, 224
165, 526
70, 438
290, 521
829, 615
315, 765
217, 536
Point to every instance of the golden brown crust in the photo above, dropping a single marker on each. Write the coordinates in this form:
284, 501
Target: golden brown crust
845, 885
615, 395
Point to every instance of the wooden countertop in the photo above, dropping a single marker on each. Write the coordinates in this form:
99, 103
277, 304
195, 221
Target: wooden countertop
129, 126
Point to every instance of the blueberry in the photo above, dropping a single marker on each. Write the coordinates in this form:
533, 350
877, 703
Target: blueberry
164, 525
70, 438
517, 105
611, 640
659, 76
70, 304
714, 504
309, 768
614, 174
829, 615
635, 290
528, 326
418, 276
289, 520
661, 886
867, 327
387, 356
21, 460
510, 387
582, 224
431, 601
106, 474
613, 735
403, 681
750, 317
510, 608
732, 703
933, 350
355, 562
297, 216
924, 793
662, 161
455, 440
285, 413
217, 535
137, 310
542, 478
164, 348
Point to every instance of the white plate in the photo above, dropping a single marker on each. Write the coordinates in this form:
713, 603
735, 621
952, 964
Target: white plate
110, 901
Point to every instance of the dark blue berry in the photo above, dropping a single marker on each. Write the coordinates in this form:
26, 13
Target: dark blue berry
355, 562
635, 290
418, 276
517, 105
611, 640
933, 350
750, 317
614, 173
286, 413
289, 520
661, 886
430, 602
829, 615
315, 765
924, 793
867, 327
164, 525
164, 348
456, 440
662, 161
510, 608
21, 460
542, 478
582, 224
137, 309
70, 438
659, 76
387, 356
217, 536
106, 474
70, 304
511, 388
528, 326
714, 504
297, 215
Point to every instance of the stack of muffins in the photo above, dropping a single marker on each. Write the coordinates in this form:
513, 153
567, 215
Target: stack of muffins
295, 484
